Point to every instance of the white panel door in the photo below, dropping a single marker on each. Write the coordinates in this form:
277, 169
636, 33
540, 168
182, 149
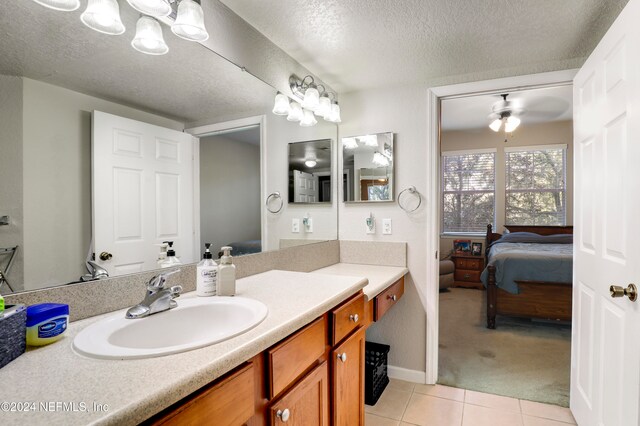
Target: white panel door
142, 192
605, 364
305, 187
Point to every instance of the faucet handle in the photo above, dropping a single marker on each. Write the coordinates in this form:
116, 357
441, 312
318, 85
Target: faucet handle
157, 282
176, 290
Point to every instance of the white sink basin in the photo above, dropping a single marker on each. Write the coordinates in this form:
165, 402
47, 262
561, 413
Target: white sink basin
195, 323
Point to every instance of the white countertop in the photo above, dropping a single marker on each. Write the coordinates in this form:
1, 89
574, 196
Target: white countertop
380, 277
133, 390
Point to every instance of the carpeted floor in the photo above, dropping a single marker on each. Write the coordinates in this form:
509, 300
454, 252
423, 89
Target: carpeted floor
520, 358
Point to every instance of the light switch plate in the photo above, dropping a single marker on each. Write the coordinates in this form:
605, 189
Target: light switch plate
309, 226
371, 230
386, 226
295, 226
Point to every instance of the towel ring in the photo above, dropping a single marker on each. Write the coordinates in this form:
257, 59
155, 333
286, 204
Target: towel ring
412, 190
274, 195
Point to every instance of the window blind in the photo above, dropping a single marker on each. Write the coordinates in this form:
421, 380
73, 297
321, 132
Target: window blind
468, 191
535, 186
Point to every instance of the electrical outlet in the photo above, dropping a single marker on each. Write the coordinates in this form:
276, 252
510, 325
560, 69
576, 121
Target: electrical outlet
370, 225
295, 226
309, 226
386, 226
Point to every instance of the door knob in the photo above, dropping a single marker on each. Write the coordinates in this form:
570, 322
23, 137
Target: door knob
104, 256
283, 414
342, 357
631, 292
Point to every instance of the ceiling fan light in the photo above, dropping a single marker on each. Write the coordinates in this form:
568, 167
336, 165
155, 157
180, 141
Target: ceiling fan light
103, 16
295, 112
189, 23
281, 105
308, 118
511, 124
156, 8
349, 143
311, 98
496, 125
148, 38
310, 163
324, 107
61, 5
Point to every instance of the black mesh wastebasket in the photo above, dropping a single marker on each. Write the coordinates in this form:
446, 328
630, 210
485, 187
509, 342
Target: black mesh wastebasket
375, 366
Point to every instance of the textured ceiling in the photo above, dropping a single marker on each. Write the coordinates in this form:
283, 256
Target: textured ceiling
540, 106
361, 44
190, 83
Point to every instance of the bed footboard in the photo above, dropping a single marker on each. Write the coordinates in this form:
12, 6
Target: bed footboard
492, 298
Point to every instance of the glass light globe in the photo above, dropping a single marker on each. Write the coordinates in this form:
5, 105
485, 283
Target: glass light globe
324, 107
149, 37
511, 124
281, 105
334, 116
308, 119
155, 8
189, 23
311, 98
496, 125
61, 5
295, 113
103, 16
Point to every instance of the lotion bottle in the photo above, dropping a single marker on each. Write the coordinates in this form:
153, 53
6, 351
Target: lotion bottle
226, 274
207, 273
171, 259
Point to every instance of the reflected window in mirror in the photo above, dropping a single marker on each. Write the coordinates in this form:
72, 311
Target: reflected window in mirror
310, 172
367, 172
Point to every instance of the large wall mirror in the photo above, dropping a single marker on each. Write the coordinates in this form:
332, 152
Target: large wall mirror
368, 164
97, 165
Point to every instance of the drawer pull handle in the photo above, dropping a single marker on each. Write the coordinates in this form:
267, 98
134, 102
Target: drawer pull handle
393, 297
283, 415
467, 275
354, 317
342, 357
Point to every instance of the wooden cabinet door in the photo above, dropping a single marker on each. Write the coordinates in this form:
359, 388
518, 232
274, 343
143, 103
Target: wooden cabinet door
348, 381
307, 403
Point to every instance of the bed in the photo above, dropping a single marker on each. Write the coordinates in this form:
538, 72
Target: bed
529, 272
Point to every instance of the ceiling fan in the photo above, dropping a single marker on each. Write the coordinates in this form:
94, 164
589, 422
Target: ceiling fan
505, 115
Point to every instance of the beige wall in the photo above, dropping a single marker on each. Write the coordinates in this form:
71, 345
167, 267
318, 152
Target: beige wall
229, 192
559, 132
57, 178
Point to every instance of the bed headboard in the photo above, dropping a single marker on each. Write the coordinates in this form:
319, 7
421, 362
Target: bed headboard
540, 230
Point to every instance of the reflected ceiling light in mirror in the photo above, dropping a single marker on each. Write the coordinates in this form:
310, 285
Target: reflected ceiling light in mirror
350, 143
380, 160
310, 163
189, 23
295, 112
61, 5
281, 105
156, 8
103, 16
308, 119
148, 37
370, 140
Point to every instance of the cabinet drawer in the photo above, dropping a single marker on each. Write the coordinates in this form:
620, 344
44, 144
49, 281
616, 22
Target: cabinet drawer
292, 357
307, 403
346, 318
473, 264
229, 401
385, 300
466, 275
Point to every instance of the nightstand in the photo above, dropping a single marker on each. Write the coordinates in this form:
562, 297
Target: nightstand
468, 270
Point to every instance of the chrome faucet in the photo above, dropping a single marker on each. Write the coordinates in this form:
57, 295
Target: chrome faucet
96, 272
157, 299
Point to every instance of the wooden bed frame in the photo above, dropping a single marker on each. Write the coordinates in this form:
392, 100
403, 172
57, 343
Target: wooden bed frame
537, 299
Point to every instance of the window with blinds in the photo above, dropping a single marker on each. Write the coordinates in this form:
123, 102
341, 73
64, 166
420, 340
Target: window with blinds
468, 191
535, 185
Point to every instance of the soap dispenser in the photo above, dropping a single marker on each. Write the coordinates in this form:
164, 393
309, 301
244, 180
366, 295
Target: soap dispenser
226, 274
171, 259
207, 273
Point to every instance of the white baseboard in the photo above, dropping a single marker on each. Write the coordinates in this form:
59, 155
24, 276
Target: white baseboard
407, 375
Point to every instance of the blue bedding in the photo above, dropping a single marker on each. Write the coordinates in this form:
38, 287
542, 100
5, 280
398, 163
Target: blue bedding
530, 258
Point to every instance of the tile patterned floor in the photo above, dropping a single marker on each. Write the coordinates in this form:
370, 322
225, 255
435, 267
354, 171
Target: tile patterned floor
404, 403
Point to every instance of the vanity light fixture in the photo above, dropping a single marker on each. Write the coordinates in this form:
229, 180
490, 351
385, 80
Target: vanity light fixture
295, 112
148, 37
103, 16
308, 119
61, 5
155, 8
281, 105
189, 23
